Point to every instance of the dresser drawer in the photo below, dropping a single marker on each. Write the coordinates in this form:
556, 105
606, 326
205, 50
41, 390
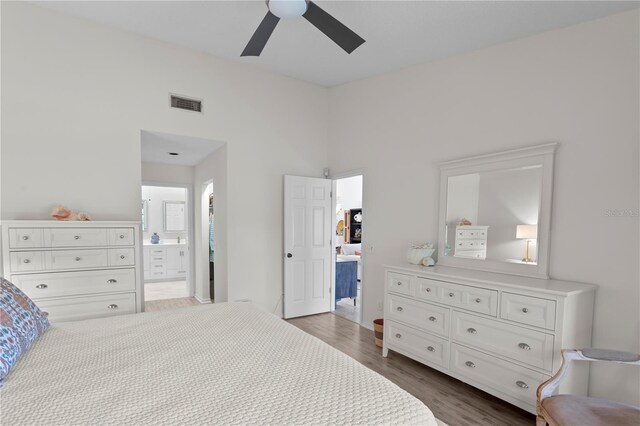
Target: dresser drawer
122, 257
43, 286
428, 317
528, 310
121, 236
158, 258
27, 261
154, 274
25, 238
157, 251
74, 237
475, 299
422, 345
517, 382
77, 308
527, 346
76, 259
400, 283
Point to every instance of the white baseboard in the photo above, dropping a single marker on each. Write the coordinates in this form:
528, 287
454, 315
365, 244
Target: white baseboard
367, 325
207, 300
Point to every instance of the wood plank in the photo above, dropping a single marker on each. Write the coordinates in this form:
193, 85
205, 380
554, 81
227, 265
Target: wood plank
450, 400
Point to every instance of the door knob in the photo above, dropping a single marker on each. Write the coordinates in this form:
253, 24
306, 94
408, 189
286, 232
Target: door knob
289, 255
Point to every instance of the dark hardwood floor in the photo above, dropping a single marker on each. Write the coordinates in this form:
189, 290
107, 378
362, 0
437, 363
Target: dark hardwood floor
450, 400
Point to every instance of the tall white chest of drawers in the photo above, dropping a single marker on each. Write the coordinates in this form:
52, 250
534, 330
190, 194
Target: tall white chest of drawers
500, 333
75, 270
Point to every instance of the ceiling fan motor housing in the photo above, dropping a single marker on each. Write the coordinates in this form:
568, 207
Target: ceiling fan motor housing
287, 8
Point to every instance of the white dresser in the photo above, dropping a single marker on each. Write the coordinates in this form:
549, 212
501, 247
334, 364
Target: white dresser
75, 270
471, 241
500, 333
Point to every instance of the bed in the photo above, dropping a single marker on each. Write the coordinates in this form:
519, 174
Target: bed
351, 253
227, 363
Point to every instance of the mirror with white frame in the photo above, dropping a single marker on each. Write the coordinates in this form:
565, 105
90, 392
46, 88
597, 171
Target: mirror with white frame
174, 216
495, 211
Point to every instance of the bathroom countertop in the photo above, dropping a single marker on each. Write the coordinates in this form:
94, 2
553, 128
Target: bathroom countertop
167, 243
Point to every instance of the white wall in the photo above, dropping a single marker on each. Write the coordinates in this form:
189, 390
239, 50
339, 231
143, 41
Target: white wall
578, 86
77, 94
155, 195
167, 173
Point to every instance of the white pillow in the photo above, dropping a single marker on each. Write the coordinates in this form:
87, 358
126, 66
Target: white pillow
351, 248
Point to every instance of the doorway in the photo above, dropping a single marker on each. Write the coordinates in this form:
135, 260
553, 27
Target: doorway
166, 231
348, 277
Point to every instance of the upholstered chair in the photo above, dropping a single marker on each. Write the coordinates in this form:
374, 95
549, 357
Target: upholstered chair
561, 410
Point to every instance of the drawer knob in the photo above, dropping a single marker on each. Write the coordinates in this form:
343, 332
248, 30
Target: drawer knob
78, 259
399, 283
122, 256
121, 236
77, 237
430, 349
398, 335
25, 237
433, 319
399, 309
428, 290
41, 286
522, 384
451, 294
111, 281
27, 261
472, 331
112, 306
470, 364
478, 300
525, 310
524, 346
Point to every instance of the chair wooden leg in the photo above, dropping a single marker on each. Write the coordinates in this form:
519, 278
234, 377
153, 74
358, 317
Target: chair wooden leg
540, 421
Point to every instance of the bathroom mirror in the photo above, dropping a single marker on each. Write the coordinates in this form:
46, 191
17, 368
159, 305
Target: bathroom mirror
145, 215
495, 211
174, 216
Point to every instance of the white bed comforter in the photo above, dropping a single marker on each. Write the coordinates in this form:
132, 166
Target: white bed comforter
211, 364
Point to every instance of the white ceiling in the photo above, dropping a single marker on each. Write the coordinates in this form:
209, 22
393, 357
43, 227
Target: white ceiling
398, 34
156, 146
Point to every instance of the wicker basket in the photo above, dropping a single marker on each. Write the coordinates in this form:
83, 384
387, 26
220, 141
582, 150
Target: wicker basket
378, 328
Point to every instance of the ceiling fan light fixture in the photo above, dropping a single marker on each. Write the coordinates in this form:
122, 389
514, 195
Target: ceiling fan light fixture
287, 8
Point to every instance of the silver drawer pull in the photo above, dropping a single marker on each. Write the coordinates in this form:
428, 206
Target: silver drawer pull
399, 283
78, 259
472, 331
399, 309
41, 286
433, 319
111, 281
25, 237
478, 300
77, 237
451, 294
122, 256
470, 364
524, 346
27, 261
525, 310
430, 349
398, 335
112, 306
121, 237
522, 384
428, 290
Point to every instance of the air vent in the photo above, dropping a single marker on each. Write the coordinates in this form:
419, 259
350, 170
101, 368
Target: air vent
186, 103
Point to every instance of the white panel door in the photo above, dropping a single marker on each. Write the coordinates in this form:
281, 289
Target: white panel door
307, 246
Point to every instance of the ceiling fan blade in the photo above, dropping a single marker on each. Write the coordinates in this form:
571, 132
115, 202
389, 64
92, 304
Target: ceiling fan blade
332, 28
261, 36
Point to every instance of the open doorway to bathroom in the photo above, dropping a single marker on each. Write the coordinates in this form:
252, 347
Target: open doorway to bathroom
165, 212
349, 284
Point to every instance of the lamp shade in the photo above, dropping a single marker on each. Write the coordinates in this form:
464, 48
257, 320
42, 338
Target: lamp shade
287, 8
527, 232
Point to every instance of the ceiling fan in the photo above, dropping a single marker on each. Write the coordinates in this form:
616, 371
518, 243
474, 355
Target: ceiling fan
330, 26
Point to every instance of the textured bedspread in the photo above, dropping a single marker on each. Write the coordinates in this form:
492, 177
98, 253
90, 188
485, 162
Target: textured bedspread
211, 364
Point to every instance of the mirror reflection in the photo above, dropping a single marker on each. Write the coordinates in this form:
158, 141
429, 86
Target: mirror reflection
493, 215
